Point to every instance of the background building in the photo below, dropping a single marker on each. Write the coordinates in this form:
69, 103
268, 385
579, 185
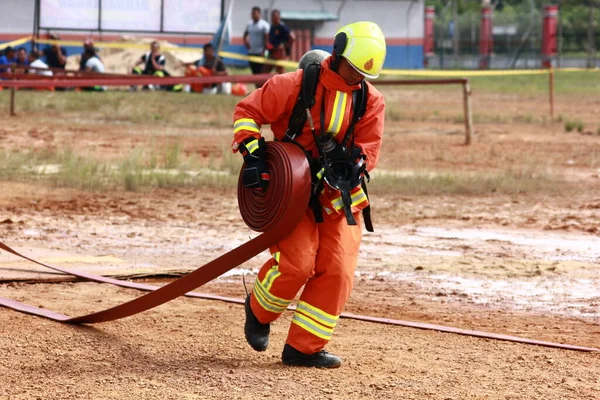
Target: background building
314, 22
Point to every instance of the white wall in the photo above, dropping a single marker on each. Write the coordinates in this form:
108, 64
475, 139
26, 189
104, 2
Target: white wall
391, 15
16, 16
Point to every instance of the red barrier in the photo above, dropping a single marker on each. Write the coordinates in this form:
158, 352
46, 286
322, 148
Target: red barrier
456, 81
65, 81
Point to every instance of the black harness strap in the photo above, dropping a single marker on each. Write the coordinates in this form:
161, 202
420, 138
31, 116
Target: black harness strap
300, 115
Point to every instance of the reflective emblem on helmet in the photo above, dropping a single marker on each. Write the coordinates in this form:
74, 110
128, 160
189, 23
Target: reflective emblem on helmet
369, 64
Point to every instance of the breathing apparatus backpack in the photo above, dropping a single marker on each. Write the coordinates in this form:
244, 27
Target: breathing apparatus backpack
337, 164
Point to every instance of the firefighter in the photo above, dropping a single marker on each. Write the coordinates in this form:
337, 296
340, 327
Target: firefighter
321, 252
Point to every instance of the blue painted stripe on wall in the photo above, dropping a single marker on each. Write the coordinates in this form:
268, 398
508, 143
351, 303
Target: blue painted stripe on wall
398, 57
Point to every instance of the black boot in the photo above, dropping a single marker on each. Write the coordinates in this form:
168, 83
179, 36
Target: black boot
257, 334
320, 359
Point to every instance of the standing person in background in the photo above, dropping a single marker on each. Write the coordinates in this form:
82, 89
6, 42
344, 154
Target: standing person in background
256, 37
280, 42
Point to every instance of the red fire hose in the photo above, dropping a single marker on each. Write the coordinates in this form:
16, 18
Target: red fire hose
275, 212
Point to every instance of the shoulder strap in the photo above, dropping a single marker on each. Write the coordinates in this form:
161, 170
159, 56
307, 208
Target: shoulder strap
359, 107
306, 99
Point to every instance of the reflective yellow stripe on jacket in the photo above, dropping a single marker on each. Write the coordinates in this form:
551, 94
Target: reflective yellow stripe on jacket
337, 113
247, 124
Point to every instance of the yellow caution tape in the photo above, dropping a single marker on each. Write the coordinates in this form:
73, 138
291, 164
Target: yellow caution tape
465, 73
476, 73
15, 43
294, 64
117, 45
258, 59
416, 72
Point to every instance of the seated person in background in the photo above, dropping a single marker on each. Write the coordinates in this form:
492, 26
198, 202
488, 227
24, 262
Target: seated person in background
93, 63
88, 51
154, 64
22, 58
8, 58
36, 62
208, 65
56, 56
280, 42
38, 67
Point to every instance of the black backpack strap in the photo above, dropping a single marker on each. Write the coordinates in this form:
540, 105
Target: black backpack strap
306, 99
359, 107
367, 210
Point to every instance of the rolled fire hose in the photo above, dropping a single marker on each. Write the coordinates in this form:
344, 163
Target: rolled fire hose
274, 212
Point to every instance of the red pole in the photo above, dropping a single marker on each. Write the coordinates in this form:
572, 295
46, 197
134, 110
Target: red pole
550, 35
428, 40
486, 41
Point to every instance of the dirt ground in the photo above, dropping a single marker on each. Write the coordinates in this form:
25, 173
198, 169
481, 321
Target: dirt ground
524, 264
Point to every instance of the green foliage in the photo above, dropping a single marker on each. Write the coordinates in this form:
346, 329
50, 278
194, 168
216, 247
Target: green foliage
573, 15
570, 125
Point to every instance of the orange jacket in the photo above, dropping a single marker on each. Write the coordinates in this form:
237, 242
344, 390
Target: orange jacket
274, 102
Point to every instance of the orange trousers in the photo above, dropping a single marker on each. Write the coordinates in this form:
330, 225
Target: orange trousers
322, 257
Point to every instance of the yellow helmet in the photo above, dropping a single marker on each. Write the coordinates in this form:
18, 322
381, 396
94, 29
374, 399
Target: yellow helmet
363, 45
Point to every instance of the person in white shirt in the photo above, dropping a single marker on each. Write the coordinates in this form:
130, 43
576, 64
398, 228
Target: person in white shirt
94, 64
35, 62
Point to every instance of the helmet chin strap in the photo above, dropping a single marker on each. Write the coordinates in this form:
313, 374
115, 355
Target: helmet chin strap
335, 62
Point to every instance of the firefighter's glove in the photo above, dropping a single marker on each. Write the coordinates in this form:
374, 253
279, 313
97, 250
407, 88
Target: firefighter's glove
255, 174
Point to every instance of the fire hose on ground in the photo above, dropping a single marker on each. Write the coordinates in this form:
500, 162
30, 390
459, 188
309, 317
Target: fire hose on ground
275, 213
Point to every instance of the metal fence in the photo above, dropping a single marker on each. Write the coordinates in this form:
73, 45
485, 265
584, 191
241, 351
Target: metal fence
517, 41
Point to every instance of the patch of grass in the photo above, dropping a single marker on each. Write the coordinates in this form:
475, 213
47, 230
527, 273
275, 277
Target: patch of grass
182, 110
514, 181
393, 113
570, 125
140, 170
564, 83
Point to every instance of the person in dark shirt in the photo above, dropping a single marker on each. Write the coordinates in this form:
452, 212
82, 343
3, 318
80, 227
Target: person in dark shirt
208, 65
154, 64
56, 56
280, 41
209, 61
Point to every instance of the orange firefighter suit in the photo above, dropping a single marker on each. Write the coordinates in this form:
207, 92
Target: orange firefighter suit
321, 256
